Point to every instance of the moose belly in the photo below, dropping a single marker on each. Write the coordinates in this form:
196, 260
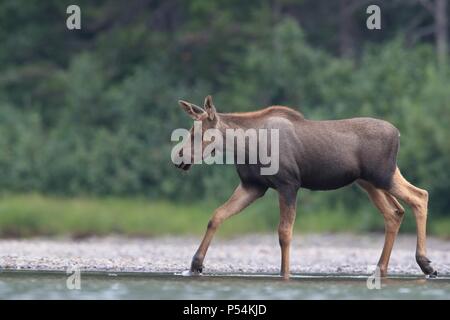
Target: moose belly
329, 178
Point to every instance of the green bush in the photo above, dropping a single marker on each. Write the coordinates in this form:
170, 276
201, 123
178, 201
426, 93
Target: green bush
91, 113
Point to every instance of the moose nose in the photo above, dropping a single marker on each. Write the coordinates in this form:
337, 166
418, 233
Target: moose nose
183, 166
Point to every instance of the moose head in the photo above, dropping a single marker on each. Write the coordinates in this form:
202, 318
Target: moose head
208, 118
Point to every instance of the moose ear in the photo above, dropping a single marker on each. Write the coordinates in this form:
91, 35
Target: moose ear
195, 112
209, 108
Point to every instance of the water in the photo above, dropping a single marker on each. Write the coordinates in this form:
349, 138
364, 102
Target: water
32, 285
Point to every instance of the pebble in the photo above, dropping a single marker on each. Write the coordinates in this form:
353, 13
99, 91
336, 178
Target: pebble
311, 253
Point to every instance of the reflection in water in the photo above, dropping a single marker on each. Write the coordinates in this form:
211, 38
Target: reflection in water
20, 285
411, 281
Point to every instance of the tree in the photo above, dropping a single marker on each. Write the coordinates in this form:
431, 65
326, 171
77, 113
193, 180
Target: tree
438, 9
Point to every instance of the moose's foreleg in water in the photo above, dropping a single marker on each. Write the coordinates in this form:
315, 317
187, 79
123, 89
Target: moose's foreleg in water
241, 198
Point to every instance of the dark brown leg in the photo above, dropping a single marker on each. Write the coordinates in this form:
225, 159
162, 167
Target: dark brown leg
241, 198
418, 200
393, 214
287, 201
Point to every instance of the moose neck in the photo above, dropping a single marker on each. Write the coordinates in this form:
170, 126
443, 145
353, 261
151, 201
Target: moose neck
233, 121
228, 122
256, 119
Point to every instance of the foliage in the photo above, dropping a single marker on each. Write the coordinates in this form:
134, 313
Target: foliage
28, 215
90, 112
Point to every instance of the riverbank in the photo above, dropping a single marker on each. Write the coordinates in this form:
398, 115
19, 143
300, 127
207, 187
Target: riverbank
34, 215
313, 253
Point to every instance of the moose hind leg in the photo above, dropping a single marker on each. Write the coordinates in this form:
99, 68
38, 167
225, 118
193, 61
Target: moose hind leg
392, 213
418, 200
241, 198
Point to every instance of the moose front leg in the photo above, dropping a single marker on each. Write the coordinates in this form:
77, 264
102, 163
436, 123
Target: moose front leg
287, 199
241, 198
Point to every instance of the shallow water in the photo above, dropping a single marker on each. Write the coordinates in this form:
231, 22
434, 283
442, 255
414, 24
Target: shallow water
44, 285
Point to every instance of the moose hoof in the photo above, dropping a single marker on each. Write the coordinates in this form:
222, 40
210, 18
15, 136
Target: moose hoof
196, 266
196, 271
285, 276
383, 273
424, 264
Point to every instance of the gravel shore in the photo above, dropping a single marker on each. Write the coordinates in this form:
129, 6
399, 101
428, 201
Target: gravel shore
325, 253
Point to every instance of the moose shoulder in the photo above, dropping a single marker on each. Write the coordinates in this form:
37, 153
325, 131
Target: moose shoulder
318, 155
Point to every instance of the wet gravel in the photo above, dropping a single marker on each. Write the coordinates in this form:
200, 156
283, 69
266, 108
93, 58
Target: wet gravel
325, 253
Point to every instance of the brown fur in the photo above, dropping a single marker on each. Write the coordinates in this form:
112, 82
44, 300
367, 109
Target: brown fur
319, 155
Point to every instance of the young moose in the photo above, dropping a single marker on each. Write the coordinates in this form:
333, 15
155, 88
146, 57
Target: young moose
318, 155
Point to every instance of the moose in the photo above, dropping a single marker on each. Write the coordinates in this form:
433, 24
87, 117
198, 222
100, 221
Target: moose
318, 155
